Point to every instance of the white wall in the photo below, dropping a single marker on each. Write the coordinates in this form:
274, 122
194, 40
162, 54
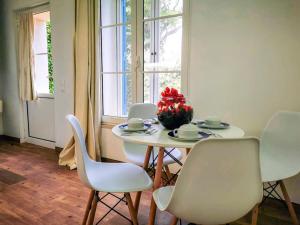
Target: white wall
12, 107
1, 61
244, 62
63, 22
63, 29
244, 59
1, 124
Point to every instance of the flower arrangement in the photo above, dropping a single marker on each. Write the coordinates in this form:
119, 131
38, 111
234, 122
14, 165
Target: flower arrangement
173, 110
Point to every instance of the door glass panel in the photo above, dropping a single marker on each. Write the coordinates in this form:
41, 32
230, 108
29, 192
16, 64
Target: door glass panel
42, 46
41, 73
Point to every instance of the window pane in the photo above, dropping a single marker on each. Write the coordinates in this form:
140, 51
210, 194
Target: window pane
43, 55
41, 73
148, 42
154, 84
115, 11
162, 44
158, 8
40, 34
116, 49
117, 94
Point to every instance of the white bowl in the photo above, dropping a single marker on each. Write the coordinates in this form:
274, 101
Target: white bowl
214, 121
188, 131
135, 123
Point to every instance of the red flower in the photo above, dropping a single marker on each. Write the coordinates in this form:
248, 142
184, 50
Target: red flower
172, 102
174, 92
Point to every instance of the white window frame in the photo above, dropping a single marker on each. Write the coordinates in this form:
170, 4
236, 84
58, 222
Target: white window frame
137, 24
37, 10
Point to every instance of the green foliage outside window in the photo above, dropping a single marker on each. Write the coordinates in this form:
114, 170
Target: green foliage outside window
50, 64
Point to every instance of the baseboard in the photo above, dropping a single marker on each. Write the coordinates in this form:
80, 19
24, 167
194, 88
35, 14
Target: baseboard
9, 138
58, 149
43, 143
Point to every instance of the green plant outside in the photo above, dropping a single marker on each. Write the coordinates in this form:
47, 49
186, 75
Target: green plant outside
50, 64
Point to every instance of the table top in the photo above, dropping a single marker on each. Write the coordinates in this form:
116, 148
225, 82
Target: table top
161, 139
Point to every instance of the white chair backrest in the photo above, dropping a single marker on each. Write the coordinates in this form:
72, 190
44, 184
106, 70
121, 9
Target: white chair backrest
142, 110
280, 146
219, 183
82, 158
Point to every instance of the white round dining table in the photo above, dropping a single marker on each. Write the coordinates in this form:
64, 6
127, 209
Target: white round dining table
162, 140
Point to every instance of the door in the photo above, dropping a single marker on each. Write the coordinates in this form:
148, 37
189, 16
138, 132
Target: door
40, 113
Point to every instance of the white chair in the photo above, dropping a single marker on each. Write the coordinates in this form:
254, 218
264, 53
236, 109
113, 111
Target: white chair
219, 183
135, 153
280, 154
106, 177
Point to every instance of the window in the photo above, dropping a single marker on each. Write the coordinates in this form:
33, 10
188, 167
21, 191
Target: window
140, 51
42, 53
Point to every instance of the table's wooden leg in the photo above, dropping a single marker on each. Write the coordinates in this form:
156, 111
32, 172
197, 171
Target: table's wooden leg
188, 151
146, 164
157, 183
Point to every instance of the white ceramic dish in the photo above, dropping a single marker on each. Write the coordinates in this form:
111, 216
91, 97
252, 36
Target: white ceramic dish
124, 127
175, 137
220, 126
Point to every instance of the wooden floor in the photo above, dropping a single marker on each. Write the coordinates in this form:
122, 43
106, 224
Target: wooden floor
35, 190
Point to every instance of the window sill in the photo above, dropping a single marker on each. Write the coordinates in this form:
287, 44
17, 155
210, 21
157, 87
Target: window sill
111, 121
45, 95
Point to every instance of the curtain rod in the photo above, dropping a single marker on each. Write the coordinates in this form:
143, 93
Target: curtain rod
32, 7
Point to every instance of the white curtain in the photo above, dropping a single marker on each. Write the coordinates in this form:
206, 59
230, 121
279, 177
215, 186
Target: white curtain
27, 89
87, 88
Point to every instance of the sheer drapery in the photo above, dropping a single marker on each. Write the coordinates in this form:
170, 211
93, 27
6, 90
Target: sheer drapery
27, 89
87, 104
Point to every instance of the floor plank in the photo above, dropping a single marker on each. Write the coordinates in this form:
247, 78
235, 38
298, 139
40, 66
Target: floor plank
35, 190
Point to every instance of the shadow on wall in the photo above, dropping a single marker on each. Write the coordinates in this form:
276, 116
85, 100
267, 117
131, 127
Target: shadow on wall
3, 52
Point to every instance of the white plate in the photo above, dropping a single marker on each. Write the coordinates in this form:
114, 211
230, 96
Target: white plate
125, 128
201, 135
220, 126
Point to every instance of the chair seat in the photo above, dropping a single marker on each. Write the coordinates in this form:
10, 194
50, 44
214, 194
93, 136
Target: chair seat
162, 197
118, 177
136, 154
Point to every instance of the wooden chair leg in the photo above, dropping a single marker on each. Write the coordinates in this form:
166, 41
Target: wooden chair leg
289, 203
88, 207
137, 200
93, 210
132, 210
168, 173
146, 164
187, 151
174, 220
254, 215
